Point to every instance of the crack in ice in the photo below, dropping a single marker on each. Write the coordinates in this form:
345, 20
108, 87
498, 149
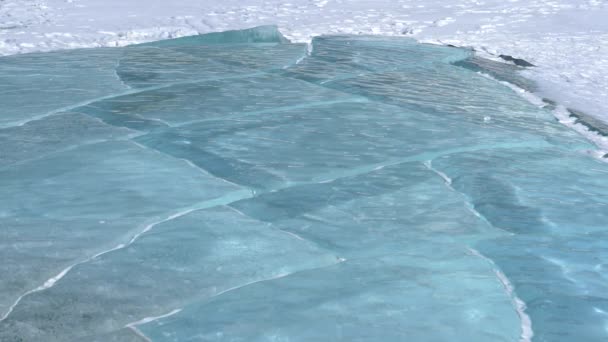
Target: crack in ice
133, 325
519, 305
128, 92
467, 201
248, 193
223, 200
422, 157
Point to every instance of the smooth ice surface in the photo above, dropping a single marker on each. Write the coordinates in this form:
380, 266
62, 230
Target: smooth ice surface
240, 187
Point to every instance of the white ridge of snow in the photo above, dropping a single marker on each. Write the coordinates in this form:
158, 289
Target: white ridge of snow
566, 39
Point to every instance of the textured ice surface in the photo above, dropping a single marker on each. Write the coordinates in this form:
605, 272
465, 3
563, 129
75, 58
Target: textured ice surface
234, 187
565, 39
54, 82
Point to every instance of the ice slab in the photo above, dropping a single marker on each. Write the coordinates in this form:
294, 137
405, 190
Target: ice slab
151, 67
217, 55
422, 78
53, 134
265, 57
209, 100
195, 256
53, 81
554, 203
403, 259
334, 58
234, 187
303, 144
61, 209
362, 300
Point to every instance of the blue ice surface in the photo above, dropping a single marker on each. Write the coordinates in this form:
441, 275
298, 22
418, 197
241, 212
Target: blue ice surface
237, 187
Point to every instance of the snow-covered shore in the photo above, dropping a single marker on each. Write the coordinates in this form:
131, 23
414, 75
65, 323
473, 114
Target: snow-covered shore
566, 39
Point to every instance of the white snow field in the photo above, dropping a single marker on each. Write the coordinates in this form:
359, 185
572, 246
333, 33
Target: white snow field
566, 39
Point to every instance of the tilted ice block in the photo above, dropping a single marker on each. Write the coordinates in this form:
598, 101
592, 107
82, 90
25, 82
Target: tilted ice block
214, 55
502, 71
322, 141
567, 186
383, 53
64, 208
150, 67
422, 80
401, 207
339, 57
554, 202
209, 100
53, 134
40, 84
259, 56
509, 113
404, 234
435, 90
193, 257
463, 95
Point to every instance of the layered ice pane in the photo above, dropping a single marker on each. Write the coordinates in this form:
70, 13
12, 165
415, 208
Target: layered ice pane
239, 187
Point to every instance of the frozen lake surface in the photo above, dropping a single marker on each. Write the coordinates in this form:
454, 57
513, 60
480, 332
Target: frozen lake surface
235, 186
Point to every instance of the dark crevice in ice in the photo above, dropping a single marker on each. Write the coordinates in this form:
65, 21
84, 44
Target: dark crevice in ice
549, 104
500, 71
517, 61
588, 121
